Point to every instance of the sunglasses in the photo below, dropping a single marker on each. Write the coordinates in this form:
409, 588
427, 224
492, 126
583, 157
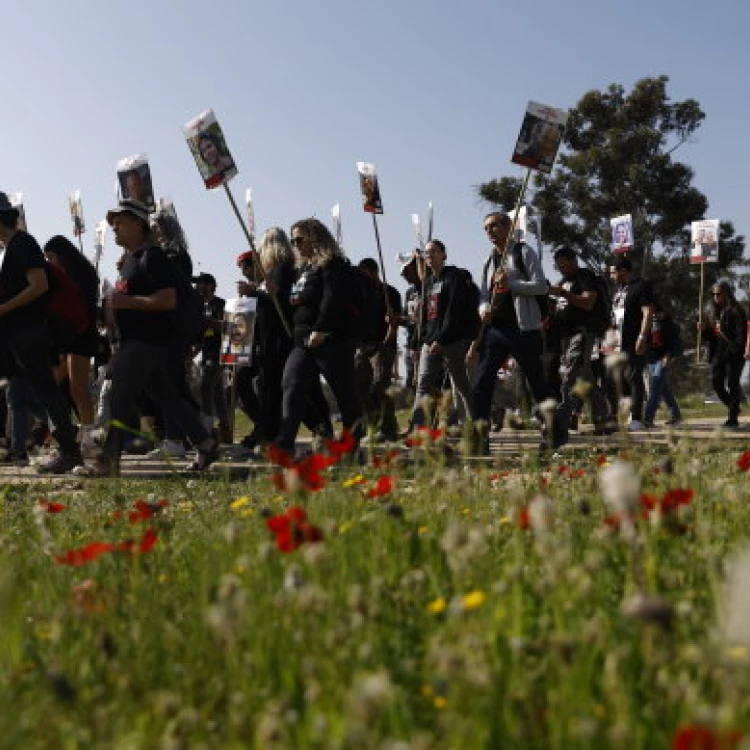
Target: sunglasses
717, 294
297, 241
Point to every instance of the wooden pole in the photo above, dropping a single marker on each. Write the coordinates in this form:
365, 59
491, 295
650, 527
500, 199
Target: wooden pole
392, 330
700, 314
256, 260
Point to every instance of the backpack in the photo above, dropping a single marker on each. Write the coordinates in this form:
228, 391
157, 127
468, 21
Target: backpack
541, 299
365, 306
66, 306
470, 299
188, 316
601, 314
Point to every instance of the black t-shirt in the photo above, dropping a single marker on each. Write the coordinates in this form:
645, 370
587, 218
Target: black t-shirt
412, 303
211, 341
569, 317
144, 273
22, 255
626, 308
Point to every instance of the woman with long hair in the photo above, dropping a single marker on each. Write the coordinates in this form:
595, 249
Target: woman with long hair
76, 355
726, 331
323, 342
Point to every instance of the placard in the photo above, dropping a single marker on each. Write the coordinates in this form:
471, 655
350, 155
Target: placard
16, 200
134, 177
622, 233
210, 151
540, 137
76, 213
250, 212
369, 188
238, 331
336, 219
100, 236
704, 235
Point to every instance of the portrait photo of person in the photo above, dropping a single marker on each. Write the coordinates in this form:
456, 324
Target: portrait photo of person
209, 149
705, 247
541, 133
135, 184
238, 331
622, 233
370, 189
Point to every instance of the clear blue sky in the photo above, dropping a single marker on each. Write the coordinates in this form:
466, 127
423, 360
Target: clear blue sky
432, 92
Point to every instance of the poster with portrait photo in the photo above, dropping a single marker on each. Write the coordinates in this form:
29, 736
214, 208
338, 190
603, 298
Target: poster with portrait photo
250, 212
238, 331
16, 200
209, 149
100, 237
76, 213
622, 233
369, 187
134, 178
540, 137
704, 237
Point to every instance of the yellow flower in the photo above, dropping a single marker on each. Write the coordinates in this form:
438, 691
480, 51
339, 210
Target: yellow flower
422, 530
438, 606
505, 520
344, 527
163, 578
427, 691
737, 653
354, 481
466, 511
474, 600
439, 702
240, 502
247, 512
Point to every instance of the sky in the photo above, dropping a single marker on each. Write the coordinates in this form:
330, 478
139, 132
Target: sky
432, 92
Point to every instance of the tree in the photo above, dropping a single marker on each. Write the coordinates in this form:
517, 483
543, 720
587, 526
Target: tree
617, 158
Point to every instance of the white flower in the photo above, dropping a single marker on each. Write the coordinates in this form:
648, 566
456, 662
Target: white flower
541, 514
620, 486
735, 618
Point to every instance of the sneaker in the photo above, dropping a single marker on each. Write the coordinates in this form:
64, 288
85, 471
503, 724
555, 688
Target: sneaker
15, 458
61, 464
96, 469
168, 449
206, 456
731, 424
635, 426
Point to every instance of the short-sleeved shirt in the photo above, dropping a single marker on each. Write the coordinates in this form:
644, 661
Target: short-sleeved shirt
22, 254
144, 273
627, 304
570, 317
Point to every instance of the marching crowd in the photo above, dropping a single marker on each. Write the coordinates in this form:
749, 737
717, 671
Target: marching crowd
583, 339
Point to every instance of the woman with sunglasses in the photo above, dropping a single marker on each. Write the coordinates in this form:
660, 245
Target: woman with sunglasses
323, 340
725, 331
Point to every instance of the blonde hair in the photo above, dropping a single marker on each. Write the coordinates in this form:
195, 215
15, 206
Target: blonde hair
325, 247
275, 249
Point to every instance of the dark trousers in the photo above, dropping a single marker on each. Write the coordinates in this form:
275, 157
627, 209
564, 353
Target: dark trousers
374, 375
636, 384
213, 393
30, 354
334, 360
142, 367
725, 378
497, 345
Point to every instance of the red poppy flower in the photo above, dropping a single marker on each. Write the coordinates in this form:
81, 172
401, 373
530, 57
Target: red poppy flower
577, 473
601, 459
386, 459
524, 520
145, 511
305, 474
613, 522
676, 497
341, 447
649, 501
382, 487
51, 507
697, 737
86, 554
292, 530
743, 462
562, 469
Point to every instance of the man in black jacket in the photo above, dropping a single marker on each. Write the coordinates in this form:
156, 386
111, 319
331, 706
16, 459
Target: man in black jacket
445, 333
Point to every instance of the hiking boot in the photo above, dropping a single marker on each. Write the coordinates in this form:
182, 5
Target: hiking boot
207, 455
62, 463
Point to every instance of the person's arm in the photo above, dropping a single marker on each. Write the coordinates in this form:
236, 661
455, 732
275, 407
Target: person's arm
584, 301
37, 286
161, 301
535, 284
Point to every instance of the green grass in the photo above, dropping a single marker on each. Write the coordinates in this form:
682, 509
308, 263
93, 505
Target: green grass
428, 617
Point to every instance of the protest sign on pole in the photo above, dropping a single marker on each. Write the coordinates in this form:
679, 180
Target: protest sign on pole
209, 149
704, 248
16, 200
623, 237
336, 218
165, 205
430, 220
100, 236
528, 228
76, 215
250, 213
540, 137
134, 179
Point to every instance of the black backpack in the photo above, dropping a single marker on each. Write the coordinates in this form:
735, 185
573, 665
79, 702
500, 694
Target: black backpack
470, 299
541, 299
364, 306
188, 317
601, 317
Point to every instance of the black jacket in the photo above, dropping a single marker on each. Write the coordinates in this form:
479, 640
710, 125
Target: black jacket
444, 320
727, 334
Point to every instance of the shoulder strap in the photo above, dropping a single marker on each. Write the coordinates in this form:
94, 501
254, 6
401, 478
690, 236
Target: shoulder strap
518, 259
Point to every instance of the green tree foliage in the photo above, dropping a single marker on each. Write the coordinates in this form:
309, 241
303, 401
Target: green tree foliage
617, 158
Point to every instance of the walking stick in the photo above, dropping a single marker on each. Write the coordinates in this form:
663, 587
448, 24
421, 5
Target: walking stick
256, 261
474, 347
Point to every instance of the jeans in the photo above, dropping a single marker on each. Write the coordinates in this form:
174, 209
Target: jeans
213, 393
725, 377
497, 345
660, 389
138, 367
431, 368
22, 405
334, 360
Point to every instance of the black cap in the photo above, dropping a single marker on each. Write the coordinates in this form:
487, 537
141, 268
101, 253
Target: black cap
205, 278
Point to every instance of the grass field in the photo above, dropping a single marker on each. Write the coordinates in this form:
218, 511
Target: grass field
505, 605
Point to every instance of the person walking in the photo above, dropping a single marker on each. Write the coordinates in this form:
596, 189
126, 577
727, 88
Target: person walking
664, 347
